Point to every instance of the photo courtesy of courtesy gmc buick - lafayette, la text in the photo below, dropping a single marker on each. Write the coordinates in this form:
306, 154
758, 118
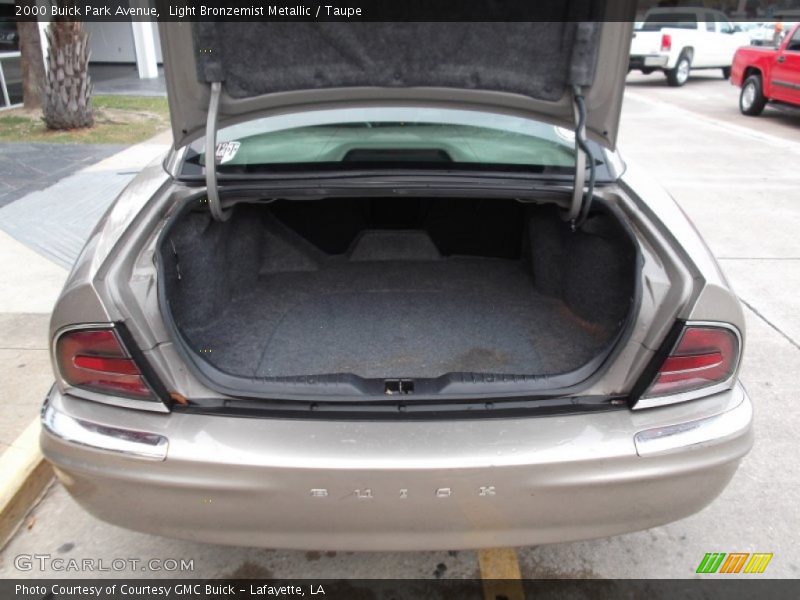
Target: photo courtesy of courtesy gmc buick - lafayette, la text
382, 295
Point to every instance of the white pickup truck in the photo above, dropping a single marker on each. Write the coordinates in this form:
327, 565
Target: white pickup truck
677, 40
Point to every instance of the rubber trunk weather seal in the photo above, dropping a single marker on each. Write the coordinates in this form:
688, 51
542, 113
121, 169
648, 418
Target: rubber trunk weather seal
149, 375
400, 411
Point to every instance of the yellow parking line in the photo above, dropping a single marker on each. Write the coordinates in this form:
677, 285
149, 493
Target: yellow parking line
500, 574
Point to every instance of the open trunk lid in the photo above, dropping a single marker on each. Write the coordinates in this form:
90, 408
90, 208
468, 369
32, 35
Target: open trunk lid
530, 69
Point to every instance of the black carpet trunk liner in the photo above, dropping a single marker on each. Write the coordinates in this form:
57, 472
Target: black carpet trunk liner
397, 318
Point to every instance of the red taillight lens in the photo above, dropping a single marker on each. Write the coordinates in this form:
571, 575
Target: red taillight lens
702, 357
94, 359
666, 42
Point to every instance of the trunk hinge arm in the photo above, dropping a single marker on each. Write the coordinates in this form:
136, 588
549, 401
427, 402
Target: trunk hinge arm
581, 200
212, 191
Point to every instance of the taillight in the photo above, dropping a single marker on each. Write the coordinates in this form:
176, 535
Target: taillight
666, 42
703, 356
96, 360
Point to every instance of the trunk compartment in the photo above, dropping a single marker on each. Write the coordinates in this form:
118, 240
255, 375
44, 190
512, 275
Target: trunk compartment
391, 288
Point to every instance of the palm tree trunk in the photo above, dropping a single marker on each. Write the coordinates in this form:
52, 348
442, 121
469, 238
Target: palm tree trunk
68, 87
31, 62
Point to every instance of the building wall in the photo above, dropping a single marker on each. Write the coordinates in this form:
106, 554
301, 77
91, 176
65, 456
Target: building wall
113, 42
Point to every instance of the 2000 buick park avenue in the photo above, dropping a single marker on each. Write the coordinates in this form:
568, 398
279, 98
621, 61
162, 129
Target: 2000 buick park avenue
394, 288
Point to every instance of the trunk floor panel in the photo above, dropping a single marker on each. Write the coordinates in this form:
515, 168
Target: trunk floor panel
385, 319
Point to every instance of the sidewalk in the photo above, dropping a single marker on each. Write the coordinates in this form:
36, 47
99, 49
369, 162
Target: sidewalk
23, 171
56, 221
41, 235
114, 79
31, 285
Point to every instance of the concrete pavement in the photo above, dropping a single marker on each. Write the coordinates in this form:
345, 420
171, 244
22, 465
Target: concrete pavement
56, 222
51, 226
27, 167
735, 177
123, 79
710, 97
31, 285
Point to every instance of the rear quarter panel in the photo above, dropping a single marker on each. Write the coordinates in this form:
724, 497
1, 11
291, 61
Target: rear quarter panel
80, 300
714, 298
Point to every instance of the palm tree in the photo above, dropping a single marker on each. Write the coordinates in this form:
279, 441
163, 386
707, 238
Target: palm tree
31, 63
68, 87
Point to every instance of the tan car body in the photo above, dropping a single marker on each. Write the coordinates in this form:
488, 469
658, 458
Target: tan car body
396, 484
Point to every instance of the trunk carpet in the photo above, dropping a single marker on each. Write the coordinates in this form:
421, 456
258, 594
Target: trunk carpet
393, 318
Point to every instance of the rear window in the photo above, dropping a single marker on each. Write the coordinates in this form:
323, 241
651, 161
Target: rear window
659, 21
794, 43
403, 136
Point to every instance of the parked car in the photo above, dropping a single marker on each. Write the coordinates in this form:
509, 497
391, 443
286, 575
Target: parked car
761, 34
768, 74
787, 19
395, 297
678, 40
773, 33
9, 38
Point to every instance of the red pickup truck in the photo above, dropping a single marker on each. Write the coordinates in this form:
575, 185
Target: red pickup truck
768, 74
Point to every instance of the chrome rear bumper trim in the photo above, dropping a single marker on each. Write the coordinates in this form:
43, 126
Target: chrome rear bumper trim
432, 484
139, 444
690, 433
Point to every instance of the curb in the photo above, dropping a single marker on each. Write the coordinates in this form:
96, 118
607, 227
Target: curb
27, 477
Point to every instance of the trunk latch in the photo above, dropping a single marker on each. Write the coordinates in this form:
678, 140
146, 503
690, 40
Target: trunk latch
398, 386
